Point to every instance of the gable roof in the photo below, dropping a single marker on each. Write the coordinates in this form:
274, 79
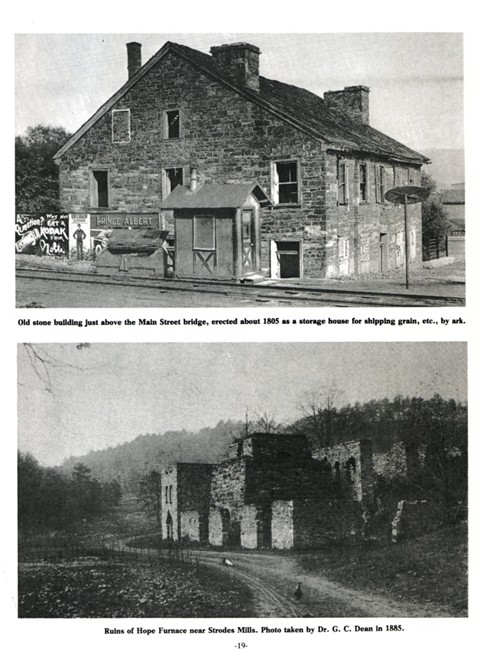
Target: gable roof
302, 109
214, 196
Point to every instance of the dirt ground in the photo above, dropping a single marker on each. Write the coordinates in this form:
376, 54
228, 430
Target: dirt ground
273, 580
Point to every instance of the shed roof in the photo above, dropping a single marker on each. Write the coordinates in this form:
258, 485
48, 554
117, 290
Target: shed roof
214, 196
300, 108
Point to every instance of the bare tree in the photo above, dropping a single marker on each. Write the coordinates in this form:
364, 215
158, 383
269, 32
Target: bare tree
319, 409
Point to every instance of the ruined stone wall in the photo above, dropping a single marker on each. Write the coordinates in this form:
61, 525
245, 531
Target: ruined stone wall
194, 483
303, 524
170, 513
282, 525
215, 527
392, 463
352, 466
228, 486
249, 527
190, 525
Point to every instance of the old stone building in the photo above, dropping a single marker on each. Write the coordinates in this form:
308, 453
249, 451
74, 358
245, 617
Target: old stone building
185, 501
324, 168
273, 491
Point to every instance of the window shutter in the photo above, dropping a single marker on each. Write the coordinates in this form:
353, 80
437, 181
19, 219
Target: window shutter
275, 195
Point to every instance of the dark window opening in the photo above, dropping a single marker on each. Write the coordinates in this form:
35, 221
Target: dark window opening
363, 182
173, 178
100, 188
173, 123
286, 182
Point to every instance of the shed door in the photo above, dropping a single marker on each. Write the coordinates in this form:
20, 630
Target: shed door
248, 241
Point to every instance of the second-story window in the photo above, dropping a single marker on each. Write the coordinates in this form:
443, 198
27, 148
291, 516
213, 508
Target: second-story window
171, 124
363, 182
285, 182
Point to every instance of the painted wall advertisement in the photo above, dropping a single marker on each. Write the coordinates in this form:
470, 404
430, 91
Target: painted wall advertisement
43, 234
79, 236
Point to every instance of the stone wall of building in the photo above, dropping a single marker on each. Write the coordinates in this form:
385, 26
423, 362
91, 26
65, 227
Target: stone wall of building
228, 486
351, 467
282, 525
358, 230
305, 524
185, 487
190, 525
170, 514
249, 527
229, 139
391, 463
215, 527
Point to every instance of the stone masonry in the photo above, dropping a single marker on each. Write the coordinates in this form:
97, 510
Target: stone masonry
228, 137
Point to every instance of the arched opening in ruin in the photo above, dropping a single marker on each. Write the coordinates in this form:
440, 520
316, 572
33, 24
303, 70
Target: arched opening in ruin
350, 469
169, 522
230, 529
264, 528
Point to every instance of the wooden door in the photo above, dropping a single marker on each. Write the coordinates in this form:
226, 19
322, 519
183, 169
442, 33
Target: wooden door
248, 241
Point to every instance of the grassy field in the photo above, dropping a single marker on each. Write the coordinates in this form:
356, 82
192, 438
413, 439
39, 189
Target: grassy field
431, 569
92, 588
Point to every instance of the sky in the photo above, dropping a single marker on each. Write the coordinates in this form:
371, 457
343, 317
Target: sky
107, 394
415, 79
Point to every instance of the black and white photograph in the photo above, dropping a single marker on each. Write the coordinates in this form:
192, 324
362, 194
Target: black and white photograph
239, 169
202, 480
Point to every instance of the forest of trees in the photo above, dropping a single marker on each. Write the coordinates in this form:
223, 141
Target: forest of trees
36, 173
51, 500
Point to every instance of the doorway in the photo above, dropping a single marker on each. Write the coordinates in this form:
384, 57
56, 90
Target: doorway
286, 259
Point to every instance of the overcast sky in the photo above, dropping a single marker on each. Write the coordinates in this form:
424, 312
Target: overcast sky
416, 79
110, 393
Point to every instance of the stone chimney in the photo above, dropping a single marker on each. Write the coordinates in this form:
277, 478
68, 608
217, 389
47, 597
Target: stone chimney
240, 62
352, 102
134, 57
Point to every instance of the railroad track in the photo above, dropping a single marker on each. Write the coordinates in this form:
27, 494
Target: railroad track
280, 293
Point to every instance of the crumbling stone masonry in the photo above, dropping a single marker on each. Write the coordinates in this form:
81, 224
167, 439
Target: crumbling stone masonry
185, 501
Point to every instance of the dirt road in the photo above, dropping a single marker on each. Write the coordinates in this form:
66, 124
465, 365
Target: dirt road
273, 579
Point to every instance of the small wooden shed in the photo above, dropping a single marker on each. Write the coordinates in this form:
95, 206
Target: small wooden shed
217, 229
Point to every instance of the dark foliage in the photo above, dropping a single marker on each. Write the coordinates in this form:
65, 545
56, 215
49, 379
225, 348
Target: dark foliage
50, 500
434, 214
36, 173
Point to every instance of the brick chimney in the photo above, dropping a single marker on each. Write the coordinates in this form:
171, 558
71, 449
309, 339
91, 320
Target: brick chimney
134, 57
352, 102
240, 62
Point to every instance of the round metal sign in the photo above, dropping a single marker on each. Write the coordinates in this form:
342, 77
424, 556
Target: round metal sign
406, 194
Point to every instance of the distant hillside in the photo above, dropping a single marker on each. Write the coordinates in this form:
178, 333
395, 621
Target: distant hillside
128, 462
447, 167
